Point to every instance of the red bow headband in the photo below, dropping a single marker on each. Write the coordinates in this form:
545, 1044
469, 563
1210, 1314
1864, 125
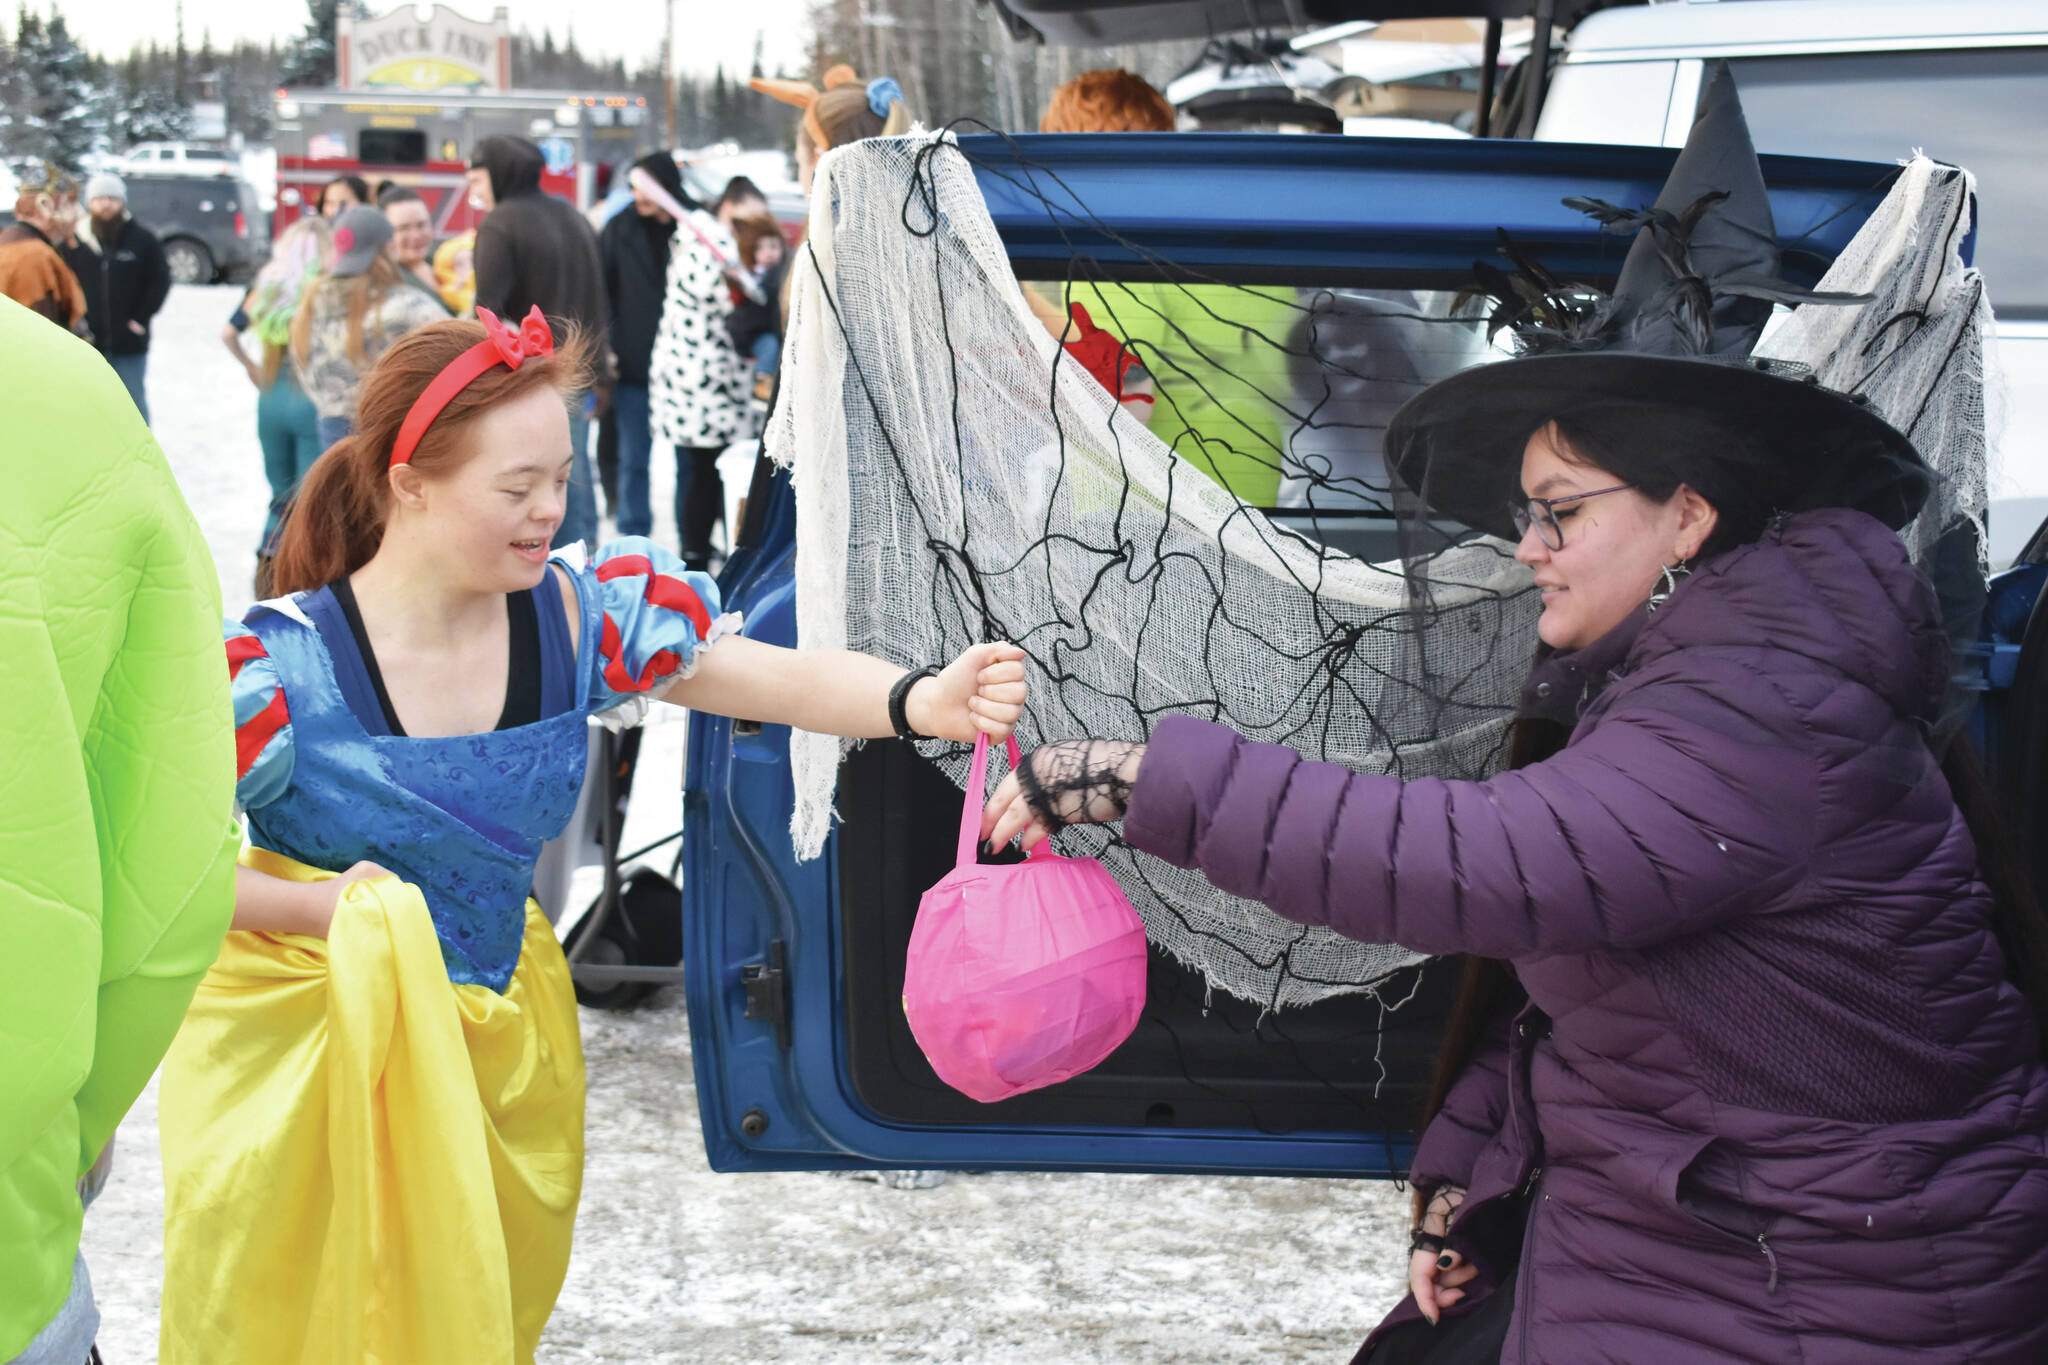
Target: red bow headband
501, 345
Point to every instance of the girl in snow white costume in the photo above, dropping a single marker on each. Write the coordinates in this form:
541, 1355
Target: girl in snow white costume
372, 1119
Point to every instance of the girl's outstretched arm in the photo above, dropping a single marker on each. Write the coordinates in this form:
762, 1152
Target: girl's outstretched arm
835, 692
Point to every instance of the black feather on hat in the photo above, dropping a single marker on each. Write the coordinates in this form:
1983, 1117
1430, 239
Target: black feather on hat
1692, 299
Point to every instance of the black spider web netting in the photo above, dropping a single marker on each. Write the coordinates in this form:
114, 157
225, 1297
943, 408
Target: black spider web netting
1231, 548
960, 476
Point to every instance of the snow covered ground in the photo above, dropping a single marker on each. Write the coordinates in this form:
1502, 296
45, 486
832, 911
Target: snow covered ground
676, 1264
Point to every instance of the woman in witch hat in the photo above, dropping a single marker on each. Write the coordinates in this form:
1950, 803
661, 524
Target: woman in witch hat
1756, 1072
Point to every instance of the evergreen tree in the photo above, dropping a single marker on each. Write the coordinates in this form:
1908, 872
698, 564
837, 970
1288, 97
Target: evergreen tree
312, 58
144, 101
721, 106
249, 75
181, 84
13, 89
51, 95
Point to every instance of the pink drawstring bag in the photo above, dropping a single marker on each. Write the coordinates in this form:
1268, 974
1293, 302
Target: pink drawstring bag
1021, 975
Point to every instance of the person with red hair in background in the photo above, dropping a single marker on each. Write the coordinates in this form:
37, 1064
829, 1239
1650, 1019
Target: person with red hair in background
1110, 100
1176, 361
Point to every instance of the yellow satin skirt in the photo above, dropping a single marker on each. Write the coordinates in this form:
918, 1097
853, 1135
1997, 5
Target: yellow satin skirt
363, 1162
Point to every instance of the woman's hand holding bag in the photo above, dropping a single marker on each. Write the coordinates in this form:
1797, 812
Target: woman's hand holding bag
1021, 975
1068, 782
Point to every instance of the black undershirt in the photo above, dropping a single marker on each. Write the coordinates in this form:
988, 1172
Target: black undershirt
523, 673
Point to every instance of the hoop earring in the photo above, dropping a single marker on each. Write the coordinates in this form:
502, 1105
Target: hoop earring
1672, 573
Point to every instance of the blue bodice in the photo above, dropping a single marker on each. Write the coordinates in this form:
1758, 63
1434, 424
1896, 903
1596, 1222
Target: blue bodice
463, 817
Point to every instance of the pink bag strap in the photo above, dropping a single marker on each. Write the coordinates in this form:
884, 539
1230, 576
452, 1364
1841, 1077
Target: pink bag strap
977, 787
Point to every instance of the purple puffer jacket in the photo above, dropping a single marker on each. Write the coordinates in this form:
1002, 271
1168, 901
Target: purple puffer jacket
1773, 1095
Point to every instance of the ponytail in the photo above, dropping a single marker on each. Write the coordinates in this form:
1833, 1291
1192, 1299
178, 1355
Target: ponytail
336, 519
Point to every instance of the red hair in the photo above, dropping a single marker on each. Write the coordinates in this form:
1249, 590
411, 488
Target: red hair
1111, 100
336, 520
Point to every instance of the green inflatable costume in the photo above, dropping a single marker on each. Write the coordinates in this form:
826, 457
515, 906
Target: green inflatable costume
117, 834
1217, 355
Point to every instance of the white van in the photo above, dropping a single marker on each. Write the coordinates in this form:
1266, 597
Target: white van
178, 158
1964, 80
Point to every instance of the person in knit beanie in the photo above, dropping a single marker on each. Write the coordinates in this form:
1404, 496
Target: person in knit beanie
126, 279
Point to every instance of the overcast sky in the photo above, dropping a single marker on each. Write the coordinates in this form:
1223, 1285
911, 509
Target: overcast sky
707, 31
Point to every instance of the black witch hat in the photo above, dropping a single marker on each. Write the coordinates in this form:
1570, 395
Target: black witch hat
1693, 296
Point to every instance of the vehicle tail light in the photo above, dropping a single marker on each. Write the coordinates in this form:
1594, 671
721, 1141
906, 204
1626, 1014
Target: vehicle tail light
241, 225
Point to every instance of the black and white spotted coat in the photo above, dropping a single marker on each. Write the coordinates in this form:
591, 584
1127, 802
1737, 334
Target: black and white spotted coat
697, 382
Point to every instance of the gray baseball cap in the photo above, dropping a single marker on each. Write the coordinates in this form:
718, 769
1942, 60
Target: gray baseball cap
360, 236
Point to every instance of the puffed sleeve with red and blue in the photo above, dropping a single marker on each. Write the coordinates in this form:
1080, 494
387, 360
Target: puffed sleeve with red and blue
263, 720
659, 617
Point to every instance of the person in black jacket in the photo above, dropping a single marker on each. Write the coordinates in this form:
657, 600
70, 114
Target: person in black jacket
534, 250
126, 279
633, 249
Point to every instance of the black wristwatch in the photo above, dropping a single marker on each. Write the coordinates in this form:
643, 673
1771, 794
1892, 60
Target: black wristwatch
899, 698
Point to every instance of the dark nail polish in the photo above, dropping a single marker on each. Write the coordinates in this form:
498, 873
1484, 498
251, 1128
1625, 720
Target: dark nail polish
1446, 1261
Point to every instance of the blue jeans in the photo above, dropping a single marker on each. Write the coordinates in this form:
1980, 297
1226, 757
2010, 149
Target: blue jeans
132, 368
579, 521
66, 1338
328, 430
288, 429
635, 511
767, 353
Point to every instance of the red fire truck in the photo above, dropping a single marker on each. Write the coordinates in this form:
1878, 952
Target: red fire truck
423, 141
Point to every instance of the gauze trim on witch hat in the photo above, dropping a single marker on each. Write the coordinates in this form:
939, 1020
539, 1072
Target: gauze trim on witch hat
501, 346
1694, 293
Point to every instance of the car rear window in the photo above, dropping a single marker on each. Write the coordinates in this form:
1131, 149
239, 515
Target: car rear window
150, 201
189, 200
1979, 108
1301, 377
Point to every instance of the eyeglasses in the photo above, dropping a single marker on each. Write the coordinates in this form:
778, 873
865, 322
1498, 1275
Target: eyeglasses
1542, 514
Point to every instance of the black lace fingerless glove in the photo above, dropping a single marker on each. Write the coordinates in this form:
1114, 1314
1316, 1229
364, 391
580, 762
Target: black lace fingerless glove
1443, 1205
1080, 781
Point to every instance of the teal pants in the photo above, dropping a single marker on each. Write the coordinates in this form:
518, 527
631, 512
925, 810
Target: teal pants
288, 429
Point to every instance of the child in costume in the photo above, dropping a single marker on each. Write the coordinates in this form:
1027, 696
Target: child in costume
372, 1121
